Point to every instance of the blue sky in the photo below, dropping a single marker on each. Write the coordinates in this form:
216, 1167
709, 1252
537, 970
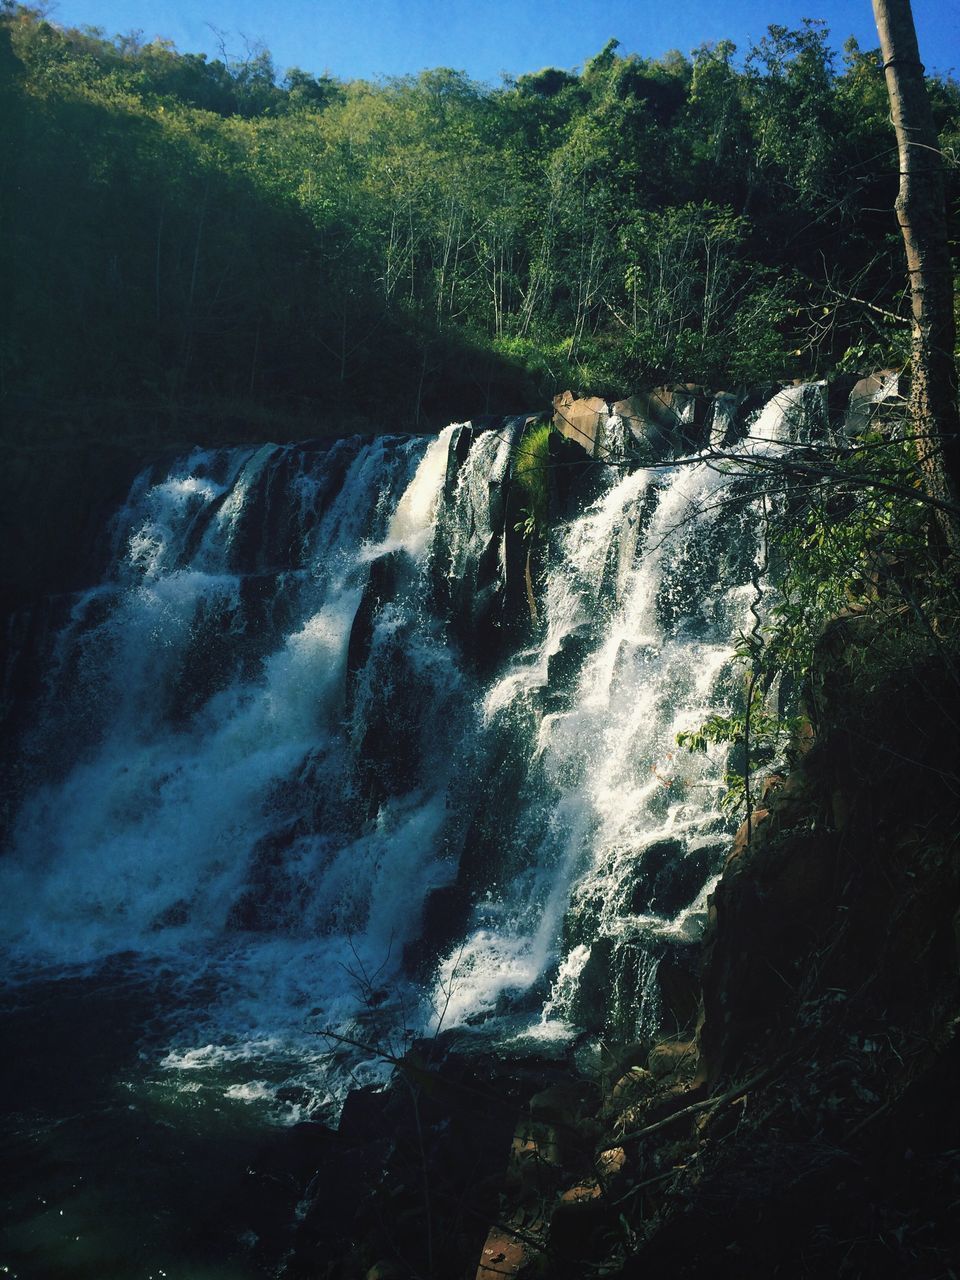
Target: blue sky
367, 38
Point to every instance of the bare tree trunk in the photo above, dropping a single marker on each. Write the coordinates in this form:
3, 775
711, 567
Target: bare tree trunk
921, 212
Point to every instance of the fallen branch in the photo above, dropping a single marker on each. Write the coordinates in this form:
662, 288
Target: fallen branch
707, 1104
647, 1182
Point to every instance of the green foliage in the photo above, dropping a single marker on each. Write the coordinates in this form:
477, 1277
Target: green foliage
849, 540
841, 545
531, 468
790, 96
189, 227
769, 738
882, 346
546, 83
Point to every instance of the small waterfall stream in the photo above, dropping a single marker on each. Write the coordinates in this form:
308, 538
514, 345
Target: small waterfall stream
300, 764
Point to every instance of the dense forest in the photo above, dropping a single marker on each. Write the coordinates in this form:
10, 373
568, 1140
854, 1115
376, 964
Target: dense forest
186, 233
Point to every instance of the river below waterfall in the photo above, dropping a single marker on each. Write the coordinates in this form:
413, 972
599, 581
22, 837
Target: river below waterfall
332, 760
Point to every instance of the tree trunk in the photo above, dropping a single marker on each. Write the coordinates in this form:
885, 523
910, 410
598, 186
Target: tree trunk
921, 212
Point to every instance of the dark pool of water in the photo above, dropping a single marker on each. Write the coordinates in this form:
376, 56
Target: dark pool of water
109, 1168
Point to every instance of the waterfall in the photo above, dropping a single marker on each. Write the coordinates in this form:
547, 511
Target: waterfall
300, 759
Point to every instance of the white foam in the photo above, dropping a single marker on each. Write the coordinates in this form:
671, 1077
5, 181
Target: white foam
411, 525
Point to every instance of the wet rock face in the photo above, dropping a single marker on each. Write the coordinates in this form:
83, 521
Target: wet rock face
485, 571
388, 754
445, 915
484, 854
467, 582
565, 665
593, 992
574, 482
671, 420
379, 590
669, 877
271, 894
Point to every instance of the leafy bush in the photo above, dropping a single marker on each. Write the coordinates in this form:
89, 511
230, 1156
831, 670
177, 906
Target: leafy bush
851, 537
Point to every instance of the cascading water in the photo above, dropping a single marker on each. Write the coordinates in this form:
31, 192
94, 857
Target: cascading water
203, 692
298, 765
646, 590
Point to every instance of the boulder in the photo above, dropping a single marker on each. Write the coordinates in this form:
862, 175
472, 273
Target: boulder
669, 876
535, 1161
561, 1104
363, 1120
581, 1196
580, 420
668, 420
580, 1214
634, 1088
872, 401
610, 1163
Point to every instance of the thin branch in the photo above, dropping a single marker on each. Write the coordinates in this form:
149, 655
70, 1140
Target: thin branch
708, 1104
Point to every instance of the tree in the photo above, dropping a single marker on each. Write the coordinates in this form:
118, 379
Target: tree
921, 212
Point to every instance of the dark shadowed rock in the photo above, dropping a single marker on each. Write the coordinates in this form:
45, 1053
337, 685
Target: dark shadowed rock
380, 587
446, 912
566, 663
669, 877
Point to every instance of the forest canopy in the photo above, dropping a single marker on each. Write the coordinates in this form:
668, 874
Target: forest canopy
179, 230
